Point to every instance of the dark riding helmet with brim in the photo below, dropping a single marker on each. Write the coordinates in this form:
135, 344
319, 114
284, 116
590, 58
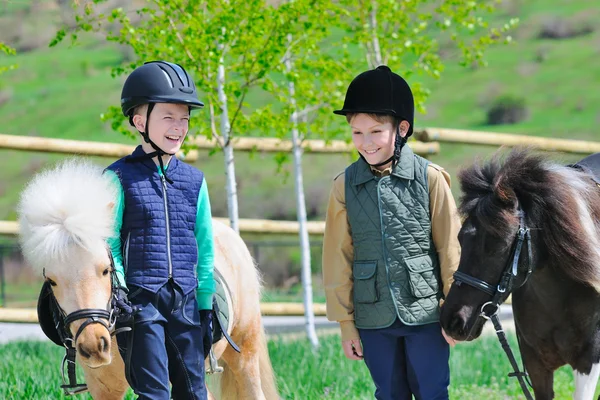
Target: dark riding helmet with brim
158, 82
380, 91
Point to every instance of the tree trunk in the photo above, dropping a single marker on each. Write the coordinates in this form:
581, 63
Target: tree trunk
231, 185
301, 213
375, 58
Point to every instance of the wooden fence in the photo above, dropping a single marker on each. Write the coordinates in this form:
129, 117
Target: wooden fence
64, 146
29, 315
11, 228
505, 139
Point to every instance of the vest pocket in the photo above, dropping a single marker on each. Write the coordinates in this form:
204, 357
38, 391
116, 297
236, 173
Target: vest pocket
365, 285
422, 276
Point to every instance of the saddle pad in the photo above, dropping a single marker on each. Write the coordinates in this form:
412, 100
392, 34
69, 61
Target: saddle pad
591, 165
221, 300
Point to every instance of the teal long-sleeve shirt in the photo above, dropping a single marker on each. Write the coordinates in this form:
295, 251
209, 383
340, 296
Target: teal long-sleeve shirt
204, 237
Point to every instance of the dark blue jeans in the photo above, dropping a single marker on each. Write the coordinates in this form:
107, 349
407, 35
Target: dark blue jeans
166, 344
407, 361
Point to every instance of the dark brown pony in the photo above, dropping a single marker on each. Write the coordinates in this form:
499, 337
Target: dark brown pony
554, 276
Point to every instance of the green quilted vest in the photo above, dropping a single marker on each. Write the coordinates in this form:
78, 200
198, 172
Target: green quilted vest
396, 270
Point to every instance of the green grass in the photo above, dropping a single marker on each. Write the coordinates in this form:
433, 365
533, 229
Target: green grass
478, 370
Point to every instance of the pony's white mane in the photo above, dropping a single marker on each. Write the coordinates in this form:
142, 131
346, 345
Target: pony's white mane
65, 209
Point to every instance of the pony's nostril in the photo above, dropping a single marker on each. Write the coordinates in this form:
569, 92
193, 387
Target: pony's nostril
103, 345
456, 324
82, 352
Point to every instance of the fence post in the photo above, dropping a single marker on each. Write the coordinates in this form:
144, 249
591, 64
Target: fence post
2, 283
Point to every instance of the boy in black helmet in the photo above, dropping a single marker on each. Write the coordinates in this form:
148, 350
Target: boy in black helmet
163, 244
390, 246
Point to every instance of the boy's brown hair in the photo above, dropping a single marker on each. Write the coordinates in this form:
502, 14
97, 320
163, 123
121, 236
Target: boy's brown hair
140, 110
381, 118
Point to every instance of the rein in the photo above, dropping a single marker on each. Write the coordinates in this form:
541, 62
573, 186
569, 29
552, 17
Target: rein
500, 292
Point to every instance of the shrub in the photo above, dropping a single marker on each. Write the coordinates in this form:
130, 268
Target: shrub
507, 109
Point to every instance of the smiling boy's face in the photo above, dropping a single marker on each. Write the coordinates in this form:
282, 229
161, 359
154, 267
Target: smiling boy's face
374, 139
169, 124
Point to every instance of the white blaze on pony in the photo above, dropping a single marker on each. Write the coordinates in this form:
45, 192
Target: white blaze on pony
66, 215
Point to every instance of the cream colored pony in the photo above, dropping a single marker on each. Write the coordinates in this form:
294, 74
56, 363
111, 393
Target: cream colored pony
65, 216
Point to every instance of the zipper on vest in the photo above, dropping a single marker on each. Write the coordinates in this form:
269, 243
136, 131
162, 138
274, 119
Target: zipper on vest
126, 263
384, 236
164, 185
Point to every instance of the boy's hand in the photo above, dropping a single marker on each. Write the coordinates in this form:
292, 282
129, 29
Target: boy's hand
450, 341
353, 349
123, 307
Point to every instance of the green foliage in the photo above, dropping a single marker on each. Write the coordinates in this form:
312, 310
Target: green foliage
319, 40
8, 51
408, 35
247, 37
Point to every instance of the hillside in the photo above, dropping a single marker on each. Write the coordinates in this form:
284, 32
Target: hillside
60, 92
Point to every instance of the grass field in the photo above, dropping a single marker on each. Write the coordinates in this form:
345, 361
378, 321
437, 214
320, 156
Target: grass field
29, 370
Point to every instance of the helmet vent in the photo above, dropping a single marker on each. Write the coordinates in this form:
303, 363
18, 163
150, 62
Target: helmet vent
167, 76
183, 77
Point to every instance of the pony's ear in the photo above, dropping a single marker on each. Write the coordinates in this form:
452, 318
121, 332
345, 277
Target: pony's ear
503, 191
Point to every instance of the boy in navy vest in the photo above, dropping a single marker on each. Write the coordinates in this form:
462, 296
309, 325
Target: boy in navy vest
390, 246
163, 245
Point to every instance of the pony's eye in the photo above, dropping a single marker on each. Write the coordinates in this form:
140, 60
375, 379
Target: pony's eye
51, 282
105, 272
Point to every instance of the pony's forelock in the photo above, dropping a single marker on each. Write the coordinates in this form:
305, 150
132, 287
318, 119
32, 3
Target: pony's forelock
64, 208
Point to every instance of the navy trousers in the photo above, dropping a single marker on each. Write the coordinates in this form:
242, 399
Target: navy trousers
407, 361
165, 345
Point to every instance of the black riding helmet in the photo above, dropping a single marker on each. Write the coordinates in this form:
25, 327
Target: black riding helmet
157, 82
381, 91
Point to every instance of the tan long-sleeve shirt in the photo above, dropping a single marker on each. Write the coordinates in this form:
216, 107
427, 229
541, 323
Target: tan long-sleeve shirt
338, 252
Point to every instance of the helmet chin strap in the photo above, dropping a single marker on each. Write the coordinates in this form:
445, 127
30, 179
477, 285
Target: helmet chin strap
158, 152
399, 142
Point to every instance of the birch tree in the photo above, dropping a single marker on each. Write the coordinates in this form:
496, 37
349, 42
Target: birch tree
309, 87
408, 35
228, 46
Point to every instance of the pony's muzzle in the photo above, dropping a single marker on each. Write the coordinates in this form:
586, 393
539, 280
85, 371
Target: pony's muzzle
94, 345
458, 324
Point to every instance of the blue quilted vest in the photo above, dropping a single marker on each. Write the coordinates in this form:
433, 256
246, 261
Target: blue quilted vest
158, 223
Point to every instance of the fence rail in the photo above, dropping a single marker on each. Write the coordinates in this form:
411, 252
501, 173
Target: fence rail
506, 139
265, 226
310, 146
64, 146
80, 147
29, 315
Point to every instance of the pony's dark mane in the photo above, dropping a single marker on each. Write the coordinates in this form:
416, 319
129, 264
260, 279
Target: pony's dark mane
552, 197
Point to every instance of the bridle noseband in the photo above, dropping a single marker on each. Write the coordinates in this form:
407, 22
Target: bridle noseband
500, 292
